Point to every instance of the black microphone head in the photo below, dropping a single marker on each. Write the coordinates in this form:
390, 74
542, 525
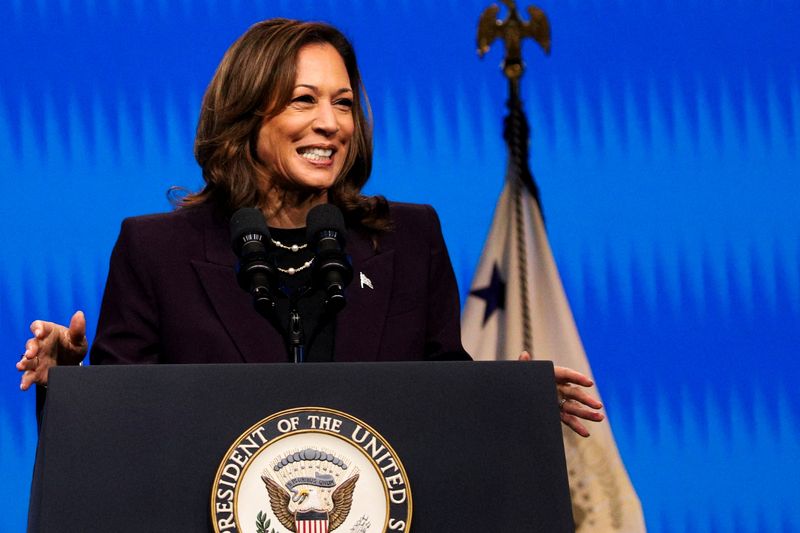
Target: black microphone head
324, 217
248, 225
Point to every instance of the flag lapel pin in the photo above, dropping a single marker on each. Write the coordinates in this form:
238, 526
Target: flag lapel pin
365, 281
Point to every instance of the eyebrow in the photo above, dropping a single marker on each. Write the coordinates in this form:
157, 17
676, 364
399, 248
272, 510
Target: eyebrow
316, 89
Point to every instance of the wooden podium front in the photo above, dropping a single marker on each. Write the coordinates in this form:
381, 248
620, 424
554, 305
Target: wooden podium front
136, 448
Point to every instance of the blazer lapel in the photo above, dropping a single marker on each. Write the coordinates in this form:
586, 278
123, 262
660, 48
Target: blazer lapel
255, 338
359, 326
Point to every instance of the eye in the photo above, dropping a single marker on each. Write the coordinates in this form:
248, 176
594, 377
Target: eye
303, 99
345, 103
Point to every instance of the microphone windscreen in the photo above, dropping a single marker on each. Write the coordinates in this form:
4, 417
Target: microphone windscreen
245, 223
324, 217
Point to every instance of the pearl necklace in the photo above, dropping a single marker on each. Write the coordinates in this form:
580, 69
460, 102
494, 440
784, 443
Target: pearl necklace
293, 248
292, 271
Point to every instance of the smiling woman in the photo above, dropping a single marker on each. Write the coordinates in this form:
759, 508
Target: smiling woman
283, 129
284, 86
304, 147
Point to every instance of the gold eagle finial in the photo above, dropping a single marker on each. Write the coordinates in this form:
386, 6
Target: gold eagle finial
512, 31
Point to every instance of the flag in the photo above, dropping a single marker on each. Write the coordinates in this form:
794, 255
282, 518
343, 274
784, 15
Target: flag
516, 303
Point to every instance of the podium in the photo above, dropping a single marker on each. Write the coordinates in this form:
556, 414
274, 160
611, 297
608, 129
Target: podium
136, 448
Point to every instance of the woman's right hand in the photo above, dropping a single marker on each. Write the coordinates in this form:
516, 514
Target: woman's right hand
52, 344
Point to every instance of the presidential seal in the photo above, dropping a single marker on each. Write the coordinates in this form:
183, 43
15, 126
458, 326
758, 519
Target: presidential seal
310, 470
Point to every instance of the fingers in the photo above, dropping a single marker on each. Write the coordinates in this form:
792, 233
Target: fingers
574, 408
34, 370
25, 363
41, 329
36, 344
575, 424
73, 340
50, 345
577, 404
579, 395
77, 329
28, 379
567, 375
25, 382
31, 348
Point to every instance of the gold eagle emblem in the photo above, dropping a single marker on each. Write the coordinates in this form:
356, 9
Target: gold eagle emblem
283, 502
512, 31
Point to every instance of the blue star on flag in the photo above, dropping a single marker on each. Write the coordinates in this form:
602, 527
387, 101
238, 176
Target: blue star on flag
494, 294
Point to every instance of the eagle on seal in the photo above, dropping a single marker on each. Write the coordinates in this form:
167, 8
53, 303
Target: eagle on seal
308, 502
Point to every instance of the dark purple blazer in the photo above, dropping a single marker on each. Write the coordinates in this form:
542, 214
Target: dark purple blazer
172, 296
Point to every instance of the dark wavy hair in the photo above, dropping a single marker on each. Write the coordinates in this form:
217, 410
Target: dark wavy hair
254, 81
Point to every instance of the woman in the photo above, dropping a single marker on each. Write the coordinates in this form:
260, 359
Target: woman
282, 128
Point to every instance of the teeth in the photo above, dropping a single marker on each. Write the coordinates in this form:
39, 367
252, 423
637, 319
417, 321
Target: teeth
316, 154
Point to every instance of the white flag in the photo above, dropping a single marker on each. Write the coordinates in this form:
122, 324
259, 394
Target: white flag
517, 303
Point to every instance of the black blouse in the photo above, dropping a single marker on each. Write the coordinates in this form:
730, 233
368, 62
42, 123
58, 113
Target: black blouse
297, 290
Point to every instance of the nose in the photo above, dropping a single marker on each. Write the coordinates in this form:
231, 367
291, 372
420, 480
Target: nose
326, 122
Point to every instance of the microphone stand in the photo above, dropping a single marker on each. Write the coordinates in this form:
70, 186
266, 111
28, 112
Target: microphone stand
296, 346
295, 334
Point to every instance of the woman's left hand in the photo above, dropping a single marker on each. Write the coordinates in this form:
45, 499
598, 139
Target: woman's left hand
574, 402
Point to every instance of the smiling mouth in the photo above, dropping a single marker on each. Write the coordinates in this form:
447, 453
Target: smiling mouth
316, 154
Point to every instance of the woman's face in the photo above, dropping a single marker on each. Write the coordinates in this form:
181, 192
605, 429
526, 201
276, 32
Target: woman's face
305, 145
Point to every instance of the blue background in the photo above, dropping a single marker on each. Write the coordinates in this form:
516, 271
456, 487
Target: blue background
665, 140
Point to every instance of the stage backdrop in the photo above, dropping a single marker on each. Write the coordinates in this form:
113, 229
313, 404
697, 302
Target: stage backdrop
665, 141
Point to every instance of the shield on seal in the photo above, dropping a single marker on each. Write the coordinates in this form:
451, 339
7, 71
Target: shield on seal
311, 522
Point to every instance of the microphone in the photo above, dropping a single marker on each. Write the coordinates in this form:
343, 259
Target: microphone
332, 272
256, 271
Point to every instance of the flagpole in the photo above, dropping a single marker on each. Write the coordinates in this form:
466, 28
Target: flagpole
512, 31
517, 289
516, 131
